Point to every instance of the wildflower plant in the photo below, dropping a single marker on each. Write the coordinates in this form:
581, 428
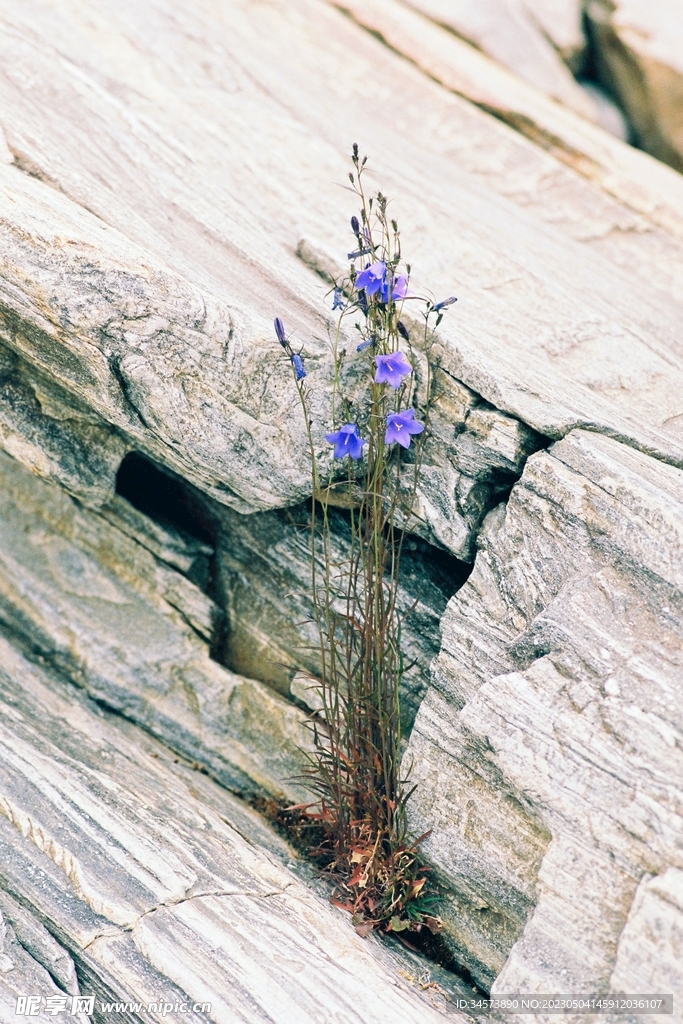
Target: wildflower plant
354, 769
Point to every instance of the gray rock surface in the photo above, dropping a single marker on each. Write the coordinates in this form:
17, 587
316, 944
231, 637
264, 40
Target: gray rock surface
157, 313
126, 626
640, 50
264, 566
56, 435
36, 940
515, 33
162, 174
557, 786
650, 947
23, 970
640, 183
561, 21
135, 866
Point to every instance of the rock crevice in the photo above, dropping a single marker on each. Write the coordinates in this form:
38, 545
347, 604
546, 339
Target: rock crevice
559, 661
164, 176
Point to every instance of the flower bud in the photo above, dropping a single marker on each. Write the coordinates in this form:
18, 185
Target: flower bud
444, 303
280, 331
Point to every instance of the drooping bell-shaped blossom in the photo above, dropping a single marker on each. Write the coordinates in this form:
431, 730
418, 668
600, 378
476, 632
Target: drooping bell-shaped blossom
375, 279
298, 364
399, 288
400, 427
391, 369
372, 278
347, 441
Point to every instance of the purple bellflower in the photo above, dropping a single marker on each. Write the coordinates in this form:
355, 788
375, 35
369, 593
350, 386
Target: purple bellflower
444, 303
376, 279
338, 301
372, 278
347, 441
391, 369
298, 364
400, 426
399, 288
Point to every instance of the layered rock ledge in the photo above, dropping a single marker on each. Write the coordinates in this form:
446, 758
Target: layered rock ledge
166, 188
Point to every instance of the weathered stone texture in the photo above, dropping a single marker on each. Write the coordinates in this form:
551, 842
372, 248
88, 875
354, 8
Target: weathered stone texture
561, 21
559, 679
265, 580
640, 49
161, 170
155, 307
33, 963
129, 861
508, 31
651, 945
125, 625
54, 434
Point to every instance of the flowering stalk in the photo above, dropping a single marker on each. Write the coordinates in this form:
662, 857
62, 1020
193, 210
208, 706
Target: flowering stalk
355, 770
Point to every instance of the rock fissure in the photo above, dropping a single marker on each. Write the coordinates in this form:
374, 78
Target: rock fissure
542, 698
526, 125
169, 904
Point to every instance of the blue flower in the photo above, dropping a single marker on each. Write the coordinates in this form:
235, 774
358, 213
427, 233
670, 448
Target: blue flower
347, 441
444, 303
400, 425
298, 364
372, 278
398, 290
364, 344
375, 278
338, 302
391, 368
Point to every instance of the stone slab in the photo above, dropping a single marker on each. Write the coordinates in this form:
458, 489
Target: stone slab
548, 752
157, 314
149, 889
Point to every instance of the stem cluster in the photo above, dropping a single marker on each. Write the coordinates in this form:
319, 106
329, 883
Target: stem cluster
354, 770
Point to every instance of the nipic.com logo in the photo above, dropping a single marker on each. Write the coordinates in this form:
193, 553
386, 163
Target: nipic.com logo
72, 1006
30, 1006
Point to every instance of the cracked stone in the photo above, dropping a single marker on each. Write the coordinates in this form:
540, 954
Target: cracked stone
153, 212
548, 753
168, 902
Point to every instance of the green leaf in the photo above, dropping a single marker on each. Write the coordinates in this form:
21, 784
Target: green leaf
398, 924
